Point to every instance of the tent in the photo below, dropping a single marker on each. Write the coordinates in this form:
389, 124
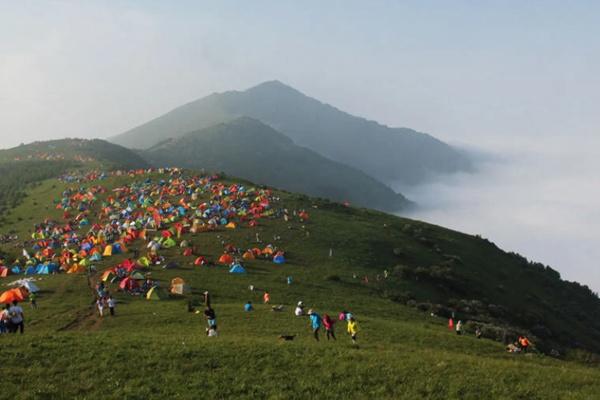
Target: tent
107, 275
156, 293
230, 225
16, 269
137, 275
237, 269
171, 265
248, 255
30, 286
96, 257
225, 259
108, 251
279, 259
128, 284
188, 252
4, 272
75, 269
178, 286
144, 262
169, 243
200, 261
18, 294
30, 270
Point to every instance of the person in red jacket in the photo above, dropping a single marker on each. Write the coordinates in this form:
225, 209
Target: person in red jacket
328, 323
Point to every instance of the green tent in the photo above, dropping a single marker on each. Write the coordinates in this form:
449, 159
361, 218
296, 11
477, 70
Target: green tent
156, 293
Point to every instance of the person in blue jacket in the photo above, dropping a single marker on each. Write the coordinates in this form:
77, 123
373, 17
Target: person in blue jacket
248, 306
315, 323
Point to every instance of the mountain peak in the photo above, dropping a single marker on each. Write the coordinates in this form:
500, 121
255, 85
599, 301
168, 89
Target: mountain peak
273, 86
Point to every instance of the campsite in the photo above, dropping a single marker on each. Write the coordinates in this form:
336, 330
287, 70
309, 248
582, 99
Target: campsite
236, 236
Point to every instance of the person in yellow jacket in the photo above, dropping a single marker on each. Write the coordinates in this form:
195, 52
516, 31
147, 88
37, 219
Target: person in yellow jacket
352, 329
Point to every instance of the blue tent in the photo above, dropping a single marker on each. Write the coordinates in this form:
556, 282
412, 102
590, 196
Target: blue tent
16, 269
237, 269
279, 259
30, 270
96, 257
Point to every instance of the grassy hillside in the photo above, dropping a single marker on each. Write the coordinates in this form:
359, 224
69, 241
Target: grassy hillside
156, 349
249, 149
388, 154
87, 152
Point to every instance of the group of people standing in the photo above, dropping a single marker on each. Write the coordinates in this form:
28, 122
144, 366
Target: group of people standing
316, 322
12, 318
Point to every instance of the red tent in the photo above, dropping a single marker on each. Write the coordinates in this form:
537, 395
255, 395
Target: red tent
128, 284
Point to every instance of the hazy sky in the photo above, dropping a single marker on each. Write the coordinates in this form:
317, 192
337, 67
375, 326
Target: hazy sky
505, 76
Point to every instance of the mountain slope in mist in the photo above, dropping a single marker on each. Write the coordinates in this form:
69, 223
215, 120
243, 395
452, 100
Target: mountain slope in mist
252, 150
389, 154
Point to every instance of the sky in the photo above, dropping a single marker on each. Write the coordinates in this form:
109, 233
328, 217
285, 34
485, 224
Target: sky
509, 77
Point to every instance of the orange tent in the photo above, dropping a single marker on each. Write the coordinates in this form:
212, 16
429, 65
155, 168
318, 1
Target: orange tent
11, 295
225, 259
248, 255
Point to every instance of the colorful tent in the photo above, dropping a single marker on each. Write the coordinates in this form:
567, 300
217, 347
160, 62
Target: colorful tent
128, 284
18, 294
248, 255
237, 269
156, 293
279, 259
225, 259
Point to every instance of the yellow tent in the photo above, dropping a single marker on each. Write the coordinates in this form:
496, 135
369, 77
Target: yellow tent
230, 225
108, 250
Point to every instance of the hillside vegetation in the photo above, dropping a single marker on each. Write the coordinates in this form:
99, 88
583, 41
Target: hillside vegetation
397, 276
249, 149
90, 153
387, 154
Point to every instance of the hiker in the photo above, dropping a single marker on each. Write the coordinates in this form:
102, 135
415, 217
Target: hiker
266, 297
315, 323
100, 306
17, 319
523, 343
33, 300
4, 319
459, 327
328, 323
352, 329
478, 332
299, 311
248, 306
111, 305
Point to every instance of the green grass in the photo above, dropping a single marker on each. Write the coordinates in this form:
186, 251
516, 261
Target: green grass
159, 350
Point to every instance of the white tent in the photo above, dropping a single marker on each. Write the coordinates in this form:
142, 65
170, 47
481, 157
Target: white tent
32, 287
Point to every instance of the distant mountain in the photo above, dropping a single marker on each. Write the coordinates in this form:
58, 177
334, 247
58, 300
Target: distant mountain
79, 150
389, 154
252, 150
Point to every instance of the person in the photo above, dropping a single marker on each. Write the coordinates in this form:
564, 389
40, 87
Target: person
524, 343
459, 327
4, 320
266, 297
450, 323
299, 311
17, 319
248, 306
211, 319
478, 332
289, 280
352, 329
328, 323
33, 300
111, 305
100, 306
315, 323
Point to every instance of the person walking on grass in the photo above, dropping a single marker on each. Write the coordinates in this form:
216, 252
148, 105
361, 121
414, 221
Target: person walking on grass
315, 323
33, 300
111, 302
17, 318
100, 306
459, 328
328, 323
4, 320
352, 329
